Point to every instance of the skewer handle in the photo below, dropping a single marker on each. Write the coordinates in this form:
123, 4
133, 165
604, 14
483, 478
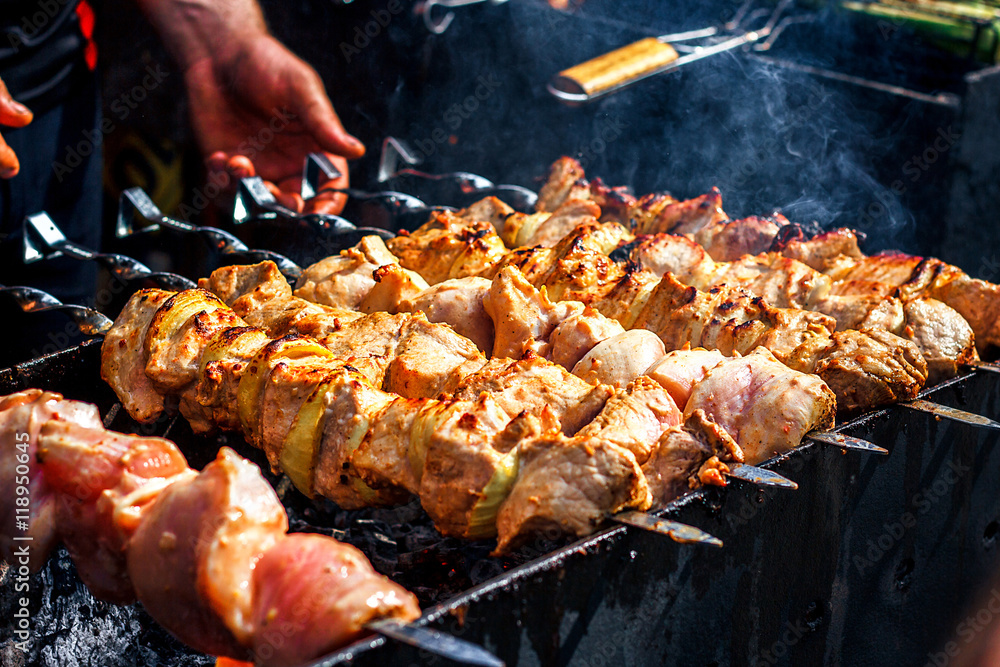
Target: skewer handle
616, 68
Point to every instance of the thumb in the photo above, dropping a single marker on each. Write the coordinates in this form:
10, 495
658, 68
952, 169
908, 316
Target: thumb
12, 114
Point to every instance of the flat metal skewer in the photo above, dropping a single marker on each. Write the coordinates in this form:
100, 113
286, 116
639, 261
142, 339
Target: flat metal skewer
438, 643
31, 300
136, 206
954, 414
675, 530
845, 442
984, 366
760, 476
44, 240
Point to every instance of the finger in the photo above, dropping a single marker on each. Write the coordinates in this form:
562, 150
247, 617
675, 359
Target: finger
9, 164
240, 166
292, 184
292, 200
329, 203
216, 161
12, 113
322, 121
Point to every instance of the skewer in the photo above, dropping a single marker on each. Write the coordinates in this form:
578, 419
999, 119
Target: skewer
677, 531
44, 240
846, 442
438, 643
953, 414
31, 300
984, 366
135, 206
760, 476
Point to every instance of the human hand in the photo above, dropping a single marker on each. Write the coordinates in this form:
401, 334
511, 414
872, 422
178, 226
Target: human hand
288, 191
263, 102
12, 114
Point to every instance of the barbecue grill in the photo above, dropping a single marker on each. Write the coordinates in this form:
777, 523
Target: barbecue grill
837, 572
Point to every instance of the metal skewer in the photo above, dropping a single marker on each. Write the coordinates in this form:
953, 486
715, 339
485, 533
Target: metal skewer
44, 240
984, 366
845, 442
954, 414
31, 300
135, 206
760, 476
439, 643
677, 531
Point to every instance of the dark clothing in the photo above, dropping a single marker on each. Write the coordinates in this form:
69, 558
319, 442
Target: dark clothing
43, 61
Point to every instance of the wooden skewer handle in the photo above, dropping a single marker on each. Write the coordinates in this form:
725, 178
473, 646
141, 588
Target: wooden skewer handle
616, 67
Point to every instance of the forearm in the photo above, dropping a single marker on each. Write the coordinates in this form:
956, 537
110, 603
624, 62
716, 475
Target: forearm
196, 30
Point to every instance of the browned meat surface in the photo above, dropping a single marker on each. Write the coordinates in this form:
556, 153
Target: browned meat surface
532, 385
178, 334
448, 246
763, 405
488, 209
728, 241
344, 280
685, 217
871, 368
689, 456
568, 486
563, 220
635, 418
393, 286
565, 181
210, 404
525, 319
943, 336
123, 360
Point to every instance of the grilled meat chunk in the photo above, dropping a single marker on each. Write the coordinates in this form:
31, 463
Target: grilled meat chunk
620, 359
448, 246
761, 404
532, 385
730, 240
344, 280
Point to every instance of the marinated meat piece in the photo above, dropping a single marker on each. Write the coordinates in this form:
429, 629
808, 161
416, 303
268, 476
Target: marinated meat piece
763, 405
568, 486
469, 463
563, 221
565, 181
488, 209
327, 592
525, 319
728, 241
635, 418
192, 557
872, 367
103, 484
448, 246
344, 280
178, 334
458, 303
686, 217
123, 360
944, 338
22, 416
393, 287
533, 384
683, 454
619, 360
